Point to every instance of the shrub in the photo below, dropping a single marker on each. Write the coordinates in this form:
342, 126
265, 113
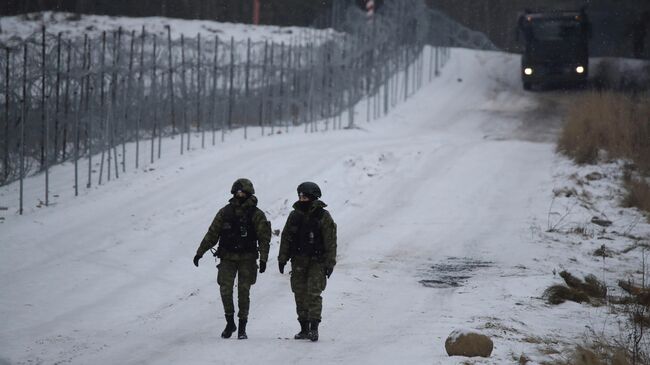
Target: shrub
638, 193
585, 356
558, 294
614, 122
591, 290
619, 125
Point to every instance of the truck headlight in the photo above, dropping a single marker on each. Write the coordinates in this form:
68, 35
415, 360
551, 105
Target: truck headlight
580, 69
528, 71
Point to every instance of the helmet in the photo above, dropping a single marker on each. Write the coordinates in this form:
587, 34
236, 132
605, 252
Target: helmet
244, 185
310, 189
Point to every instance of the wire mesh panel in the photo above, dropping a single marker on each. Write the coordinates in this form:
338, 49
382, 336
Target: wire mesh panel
84, 99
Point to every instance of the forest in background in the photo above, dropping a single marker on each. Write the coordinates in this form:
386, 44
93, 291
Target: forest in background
613, 20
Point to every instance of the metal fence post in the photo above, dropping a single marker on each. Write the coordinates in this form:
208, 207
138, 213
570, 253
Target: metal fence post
246, 87
6, 140
43, 75
140, 118
232, 78
23, 120
57, 88
102, 123
271, 88
66, 104
184, 96
199, 82
171, 82
263, 85
215, 79
156, 132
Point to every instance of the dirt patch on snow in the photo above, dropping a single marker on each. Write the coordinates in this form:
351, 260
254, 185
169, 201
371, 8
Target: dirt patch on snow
453, 272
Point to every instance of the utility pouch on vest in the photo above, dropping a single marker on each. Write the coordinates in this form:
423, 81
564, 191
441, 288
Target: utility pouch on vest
238, 233
306, 236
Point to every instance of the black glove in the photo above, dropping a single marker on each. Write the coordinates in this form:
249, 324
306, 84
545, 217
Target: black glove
328, 271
262, 266
281, 267
196, 260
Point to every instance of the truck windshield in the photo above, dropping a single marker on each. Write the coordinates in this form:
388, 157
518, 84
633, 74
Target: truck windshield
555, 29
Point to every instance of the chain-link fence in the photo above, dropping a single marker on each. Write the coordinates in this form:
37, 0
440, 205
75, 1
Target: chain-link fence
83, 100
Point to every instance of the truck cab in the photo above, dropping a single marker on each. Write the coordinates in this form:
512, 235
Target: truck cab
555, 48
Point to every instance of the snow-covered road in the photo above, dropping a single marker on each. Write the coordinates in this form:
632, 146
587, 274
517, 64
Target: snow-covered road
455, 176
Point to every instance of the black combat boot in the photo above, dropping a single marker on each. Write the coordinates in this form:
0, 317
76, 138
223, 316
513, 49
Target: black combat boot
304, 331
230, 326
313, 331
241, 333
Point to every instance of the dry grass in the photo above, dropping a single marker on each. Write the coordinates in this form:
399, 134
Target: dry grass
594, 355
618, 124
591, 286
595, 287
639, 295
584, 356
638, 193
591, 290
615, 122
603, 252
558, 294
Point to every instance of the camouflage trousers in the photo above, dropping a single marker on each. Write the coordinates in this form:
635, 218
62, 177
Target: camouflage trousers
246, 272
308, 281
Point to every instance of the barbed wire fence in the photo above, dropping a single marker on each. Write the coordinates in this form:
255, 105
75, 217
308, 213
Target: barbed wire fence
83, 100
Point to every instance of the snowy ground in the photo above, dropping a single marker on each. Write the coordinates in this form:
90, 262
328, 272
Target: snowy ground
15, 28
457, 186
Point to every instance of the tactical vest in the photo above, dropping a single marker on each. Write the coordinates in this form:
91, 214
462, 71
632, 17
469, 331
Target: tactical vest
307, 239
238, 233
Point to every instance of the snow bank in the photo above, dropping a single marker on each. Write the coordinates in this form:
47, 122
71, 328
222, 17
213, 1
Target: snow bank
19, 27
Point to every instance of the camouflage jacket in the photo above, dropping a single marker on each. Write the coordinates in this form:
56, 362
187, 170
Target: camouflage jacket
261, 224
327, 232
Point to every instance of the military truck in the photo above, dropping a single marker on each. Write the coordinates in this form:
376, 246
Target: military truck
555, 47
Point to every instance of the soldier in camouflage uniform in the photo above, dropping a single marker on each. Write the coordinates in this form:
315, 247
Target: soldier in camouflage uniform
242, 230
309, 241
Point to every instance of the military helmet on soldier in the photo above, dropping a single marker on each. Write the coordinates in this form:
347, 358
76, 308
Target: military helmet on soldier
243, 185
310, 190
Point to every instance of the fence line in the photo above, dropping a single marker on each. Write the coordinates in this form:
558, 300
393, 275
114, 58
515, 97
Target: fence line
66, 99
